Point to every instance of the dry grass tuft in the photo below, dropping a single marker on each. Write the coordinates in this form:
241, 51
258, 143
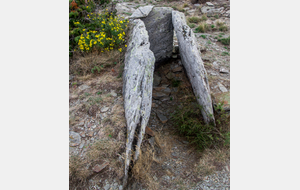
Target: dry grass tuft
94, 62
78, 172
142, 168
210, 161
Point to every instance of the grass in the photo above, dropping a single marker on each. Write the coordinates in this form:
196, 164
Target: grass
191, 25
208, 42
194, 19
203, 27
225, 41
203, 36
93, 62
204, 18
189, 123
224, 53
223, 28
185, 5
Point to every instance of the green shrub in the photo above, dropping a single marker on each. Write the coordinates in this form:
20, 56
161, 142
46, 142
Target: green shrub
203, 27
191, 25
189, 122
225, 53
89, 31
203, 36
194, 19
204, 18
212, 26
223, 28
225, 41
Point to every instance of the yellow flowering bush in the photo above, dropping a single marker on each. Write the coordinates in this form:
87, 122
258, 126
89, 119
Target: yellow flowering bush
105, 32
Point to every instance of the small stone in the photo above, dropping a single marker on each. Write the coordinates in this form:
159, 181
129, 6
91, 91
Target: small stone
151, 141
74, 138
82, 144
90, 133
83, 87
185, 142
113, 93
94, 126
174, 56
175, 49
177, 69
73, 96
223, 70
149, 131
197, 5
158, 95
154, 105
222, 87
104, 109
156, 80
170, 75
162, 118
82, 134
97, 168
209, 4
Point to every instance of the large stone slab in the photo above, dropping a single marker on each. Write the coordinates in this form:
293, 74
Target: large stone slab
160, 29
190, 56
141, 12
137, 86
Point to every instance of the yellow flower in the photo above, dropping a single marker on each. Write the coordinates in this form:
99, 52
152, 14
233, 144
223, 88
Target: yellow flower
83, 30
125, 45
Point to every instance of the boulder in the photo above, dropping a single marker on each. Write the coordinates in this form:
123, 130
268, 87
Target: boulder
160, 30
211, 11
137, 86
193, 64
141, 12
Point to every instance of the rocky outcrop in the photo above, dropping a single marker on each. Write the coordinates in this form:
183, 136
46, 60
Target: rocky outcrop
137, 87
211, 11
190, 56
159, 25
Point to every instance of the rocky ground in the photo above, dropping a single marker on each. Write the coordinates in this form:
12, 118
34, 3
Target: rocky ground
96, 112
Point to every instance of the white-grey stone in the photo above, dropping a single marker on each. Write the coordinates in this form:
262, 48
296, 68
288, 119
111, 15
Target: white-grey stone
223, 70
83, 87
104, 109
137, 86
141, 12
197, 5
222, 87
193, 64
156, 80
211, 11
74, 138
209, 4
160, 30
113, 93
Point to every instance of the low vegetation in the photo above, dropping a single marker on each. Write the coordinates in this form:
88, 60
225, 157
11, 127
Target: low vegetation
189, 122
203, 27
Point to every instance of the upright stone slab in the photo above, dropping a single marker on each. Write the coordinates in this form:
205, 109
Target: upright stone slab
160, 29
137, 86
190, 56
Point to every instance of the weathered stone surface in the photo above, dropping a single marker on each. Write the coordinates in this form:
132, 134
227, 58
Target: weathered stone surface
162, 118
193, 64
170, 75
74, 138
83, 87
104, 109
158, 95
209, 4
156, 80
177, 69
223, 70
211, 11
141, 12
222, 87
149, 132
160, 30
97, 168
137, 86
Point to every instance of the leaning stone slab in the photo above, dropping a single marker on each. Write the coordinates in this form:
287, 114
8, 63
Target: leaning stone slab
190, 56
137, 87
160, 30
141, 12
